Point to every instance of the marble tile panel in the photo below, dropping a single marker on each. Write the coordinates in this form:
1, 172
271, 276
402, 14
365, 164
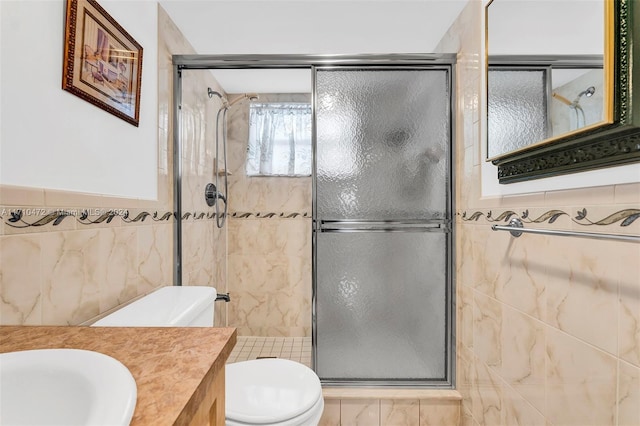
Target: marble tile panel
261, 310
20, 280
627, 193
11, 195
464, 192
331, 413
466, 377
487, 330
522, 281
518, 200
524, 355
294, 237
197, 253
628, 395
119, 251
489, 254
581, 382
65, 199
466, 419
582, 289
72, 270
439, 413
629, 322
487, 396
464, 260
400, 412
601, 195
263, 194
356, 412
465, 315
155, 257
518, 412
248, 236
253, 273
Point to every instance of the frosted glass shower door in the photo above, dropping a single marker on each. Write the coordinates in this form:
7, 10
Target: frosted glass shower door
382, 225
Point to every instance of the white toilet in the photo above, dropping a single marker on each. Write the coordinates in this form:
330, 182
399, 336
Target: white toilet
265, 392
272, 392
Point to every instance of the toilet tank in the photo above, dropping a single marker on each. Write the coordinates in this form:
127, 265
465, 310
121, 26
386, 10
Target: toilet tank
172, 306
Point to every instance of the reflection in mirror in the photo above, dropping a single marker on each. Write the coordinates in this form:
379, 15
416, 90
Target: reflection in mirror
546, 99
574, 133
546, 78
578, 99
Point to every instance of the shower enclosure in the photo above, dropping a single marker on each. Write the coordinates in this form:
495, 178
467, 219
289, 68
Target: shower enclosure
382, 224
382, 233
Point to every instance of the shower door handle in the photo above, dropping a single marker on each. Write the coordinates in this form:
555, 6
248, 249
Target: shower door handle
384, 226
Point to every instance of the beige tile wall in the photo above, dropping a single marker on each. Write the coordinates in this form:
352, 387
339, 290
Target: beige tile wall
59, 267
400, 411
269, 262
547, 326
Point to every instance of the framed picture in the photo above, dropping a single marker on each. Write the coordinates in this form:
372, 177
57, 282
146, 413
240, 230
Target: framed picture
102, 62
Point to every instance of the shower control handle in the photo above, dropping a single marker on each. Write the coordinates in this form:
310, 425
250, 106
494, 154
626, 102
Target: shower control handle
211, 194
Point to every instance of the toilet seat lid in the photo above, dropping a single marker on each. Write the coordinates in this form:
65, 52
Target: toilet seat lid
269, 390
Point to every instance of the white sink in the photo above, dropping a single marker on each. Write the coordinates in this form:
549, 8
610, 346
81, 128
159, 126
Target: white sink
65, 387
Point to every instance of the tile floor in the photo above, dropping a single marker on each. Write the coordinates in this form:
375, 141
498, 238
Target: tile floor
293, 348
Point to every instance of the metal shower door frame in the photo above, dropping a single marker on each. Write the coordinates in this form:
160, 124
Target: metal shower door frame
313, 62
395, 226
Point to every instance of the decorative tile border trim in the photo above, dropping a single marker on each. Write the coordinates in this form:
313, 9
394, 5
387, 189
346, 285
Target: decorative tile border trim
268, 215
626, 217
16, 218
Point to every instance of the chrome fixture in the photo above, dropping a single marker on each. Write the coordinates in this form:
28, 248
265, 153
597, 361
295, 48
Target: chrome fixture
211, 195
588, 93
516, 229
226, 104
224, 297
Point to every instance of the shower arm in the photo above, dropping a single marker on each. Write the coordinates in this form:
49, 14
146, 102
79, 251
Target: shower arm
561, 99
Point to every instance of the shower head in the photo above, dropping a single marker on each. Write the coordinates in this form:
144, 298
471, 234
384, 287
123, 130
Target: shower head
212, 92
588, 92
250, 96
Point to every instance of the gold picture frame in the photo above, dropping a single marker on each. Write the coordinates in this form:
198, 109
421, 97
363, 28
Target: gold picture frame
102, 62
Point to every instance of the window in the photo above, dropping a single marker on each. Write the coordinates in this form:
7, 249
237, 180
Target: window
279, 139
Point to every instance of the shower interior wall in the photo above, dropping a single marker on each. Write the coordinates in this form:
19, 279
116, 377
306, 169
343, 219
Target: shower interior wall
204, 245
269, 232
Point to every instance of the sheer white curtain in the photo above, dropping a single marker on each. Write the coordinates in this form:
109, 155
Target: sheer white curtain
279, 139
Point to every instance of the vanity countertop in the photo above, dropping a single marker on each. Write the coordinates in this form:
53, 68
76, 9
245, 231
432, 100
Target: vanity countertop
172, 367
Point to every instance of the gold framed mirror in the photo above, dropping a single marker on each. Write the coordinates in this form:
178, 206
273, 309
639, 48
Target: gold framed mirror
561, 105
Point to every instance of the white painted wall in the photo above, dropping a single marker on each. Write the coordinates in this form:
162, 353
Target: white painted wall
52, 139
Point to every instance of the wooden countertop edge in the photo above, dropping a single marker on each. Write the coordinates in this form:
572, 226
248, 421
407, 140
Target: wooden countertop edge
186, 415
